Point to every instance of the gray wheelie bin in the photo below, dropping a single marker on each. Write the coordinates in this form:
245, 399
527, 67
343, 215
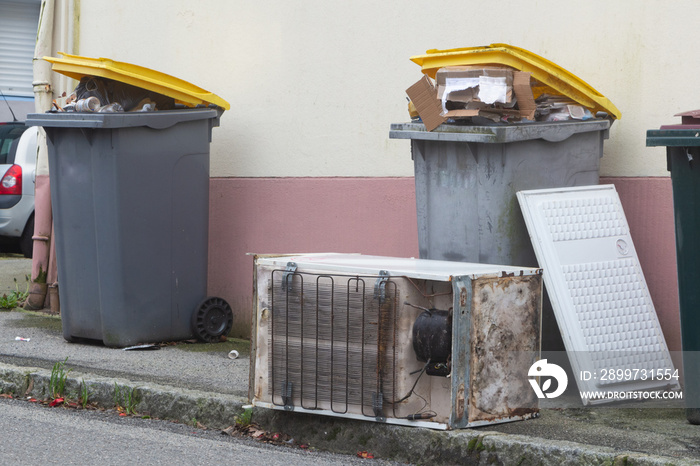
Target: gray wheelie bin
467, 178
130, 199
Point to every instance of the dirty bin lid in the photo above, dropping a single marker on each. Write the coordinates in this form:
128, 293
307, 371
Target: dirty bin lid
553, 76
77, 67
686, 134
157, 120
673, 137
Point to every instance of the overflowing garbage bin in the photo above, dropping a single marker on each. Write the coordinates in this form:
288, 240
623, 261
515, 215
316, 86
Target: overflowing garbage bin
467, 178
682, 144
487, 122
129, 172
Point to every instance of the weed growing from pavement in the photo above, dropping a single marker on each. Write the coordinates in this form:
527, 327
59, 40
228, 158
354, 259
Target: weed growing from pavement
8, 302
60, 396
124, 399
15, 298
57, 382
245, 418
84, 394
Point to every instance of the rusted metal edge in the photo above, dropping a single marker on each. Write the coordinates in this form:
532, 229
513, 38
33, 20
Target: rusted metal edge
461, 323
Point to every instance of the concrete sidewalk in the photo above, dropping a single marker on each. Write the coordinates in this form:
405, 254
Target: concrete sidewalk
193, 383
199, 383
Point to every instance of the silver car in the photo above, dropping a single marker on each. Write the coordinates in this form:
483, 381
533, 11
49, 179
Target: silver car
18, 155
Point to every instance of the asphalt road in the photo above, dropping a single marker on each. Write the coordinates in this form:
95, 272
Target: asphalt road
32, 434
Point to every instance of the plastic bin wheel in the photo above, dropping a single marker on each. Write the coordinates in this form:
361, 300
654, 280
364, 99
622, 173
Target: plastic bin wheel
212, 319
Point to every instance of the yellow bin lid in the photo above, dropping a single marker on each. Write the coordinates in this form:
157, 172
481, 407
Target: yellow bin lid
553, 76
77, 67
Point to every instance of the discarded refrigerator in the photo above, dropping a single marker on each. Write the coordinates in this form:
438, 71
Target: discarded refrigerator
404, 341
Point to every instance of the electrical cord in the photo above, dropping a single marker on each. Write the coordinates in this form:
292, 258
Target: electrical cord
410, 392
421, 414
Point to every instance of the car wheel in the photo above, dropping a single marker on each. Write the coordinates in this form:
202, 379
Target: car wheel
26, 245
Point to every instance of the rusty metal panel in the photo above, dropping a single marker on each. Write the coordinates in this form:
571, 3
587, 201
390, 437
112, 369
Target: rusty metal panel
505, 325
462, 293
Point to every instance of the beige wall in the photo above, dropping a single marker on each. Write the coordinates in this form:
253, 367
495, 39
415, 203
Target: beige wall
314, 85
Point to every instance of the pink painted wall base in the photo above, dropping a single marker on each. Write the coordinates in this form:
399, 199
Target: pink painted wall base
302, 215
648, 205
378, 216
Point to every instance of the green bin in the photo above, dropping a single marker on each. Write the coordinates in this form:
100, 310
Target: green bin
683, 159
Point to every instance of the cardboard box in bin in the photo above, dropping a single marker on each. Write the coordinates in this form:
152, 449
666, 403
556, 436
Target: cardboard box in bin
465, 83
468, 91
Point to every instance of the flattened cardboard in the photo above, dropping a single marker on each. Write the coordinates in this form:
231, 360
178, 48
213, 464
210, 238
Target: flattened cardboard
523, 94
424, 97
463, 113
473, 108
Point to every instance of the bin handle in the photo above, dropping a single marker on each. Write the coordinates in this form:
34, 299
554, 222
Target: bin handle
562, 133
163, 120
156, 120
